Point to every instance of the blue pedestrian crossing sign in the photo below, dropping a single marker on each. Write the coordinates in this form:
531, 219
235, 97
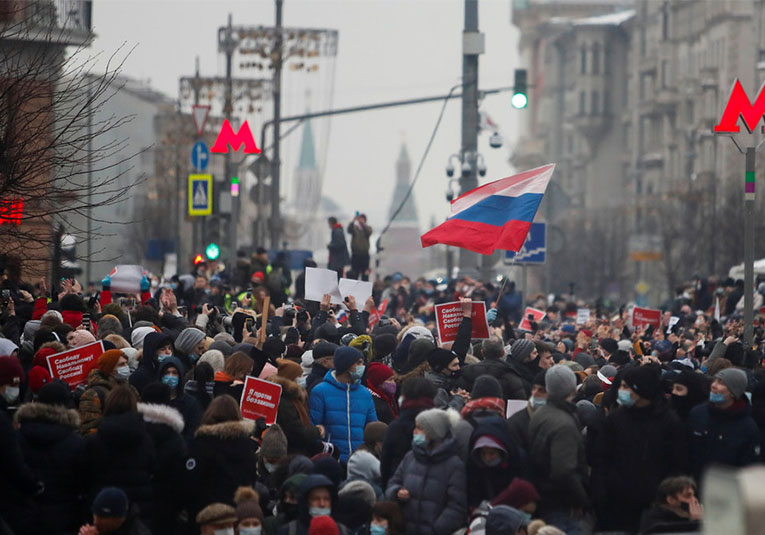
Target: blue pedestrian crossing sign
200, 156
534, 250
200, 194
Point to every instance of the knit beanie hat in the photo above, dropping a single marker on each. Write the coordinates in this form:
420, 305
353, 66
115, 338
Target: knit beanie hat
384, 344
274, 444
111, 502
560, 382
294, 352
323, 525
188, 340
606, 375
375, 432
609, 345
364, 344
274, 347
216, 513
138, 336
378, 373
539, 379
220, 345
214, 358
418, 353
503, 519
108, 360
435, 423
327, 466
584, 359
521, 349
486, 386
519, 493
37, 378
55, 393
345, 357
439, 358
620, 358
324, 349
10, 369
624, 345
645, 381
82, 337
289, 369
735, 379
361, 489
247, 504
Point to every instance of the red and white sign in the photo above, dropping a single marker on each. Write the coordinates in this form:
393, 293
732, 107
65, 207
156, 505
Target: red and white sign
260, 399
74, 365
449, 317
200, 113
377, 313
643, 317
525, 324
237, 139
739, 106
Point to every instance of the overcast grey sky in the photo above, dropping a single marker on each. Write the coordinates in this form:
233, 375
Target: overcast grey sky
388, 50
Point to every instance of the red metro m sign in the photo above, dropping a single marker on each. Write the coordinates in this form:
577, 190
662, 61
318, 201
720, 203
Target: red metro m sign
227, 137
739, 105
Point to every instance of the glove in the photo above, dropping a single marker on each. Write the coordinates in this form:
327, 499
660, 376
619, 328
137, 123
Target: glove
106, 283
491, 315
145, 284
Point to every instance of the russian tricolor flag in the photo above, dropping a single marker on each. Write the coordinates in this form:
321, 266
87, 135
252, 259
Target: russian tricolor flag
494, 216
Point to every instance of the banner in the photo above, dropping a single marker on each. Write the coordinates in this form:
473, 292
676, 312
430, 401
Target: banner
536, 314
260, 399
643, 317
74, 365
449, 317
126, 279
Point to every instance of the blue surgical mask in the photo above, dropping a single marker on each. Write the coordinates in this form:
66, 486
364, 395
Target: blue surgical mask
377, 529
257, 530
301, 381
163, 356
419, 440
11, 393
358, 372
123, 372
625, 398
319, 511
170, 380
526, 516
716, 397
536, 402
193, 357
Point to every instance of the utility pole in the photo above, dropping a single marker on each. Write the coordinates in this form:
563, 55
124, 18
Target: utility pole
275, 163
229, 46
194, 223
472, 47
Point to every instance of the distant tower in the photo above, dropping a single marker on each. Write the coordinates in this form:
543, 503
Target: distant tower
402, 249
307, 183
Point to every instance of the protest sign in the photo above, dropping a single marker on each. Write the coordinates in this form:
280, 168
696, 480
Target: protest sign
643, 317
672, 322
536, 314
515, 405
360, 290
319, 282
126, 279
582, 315
377, 313
74, 365
260, 399
449, 317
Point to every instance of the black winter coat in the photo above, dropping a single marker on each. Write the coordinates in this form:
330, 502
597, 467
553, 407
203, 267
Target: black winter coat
641, 446
301, 438
512, 385
52, 447
148, 366
486, 482
398, 439
121, 454
221, 458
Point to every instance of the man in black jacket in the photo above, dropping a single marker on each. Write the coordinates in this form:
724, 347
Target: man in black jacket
676, 508
494, 364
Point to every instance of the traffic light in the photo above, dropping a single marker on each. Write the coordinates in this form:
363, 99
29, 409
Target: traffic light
234, 186
198, 259
212, 251
520, 90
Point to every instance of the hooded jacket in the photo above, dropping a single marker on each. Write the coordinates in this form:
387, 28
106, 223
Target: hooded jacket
148, 367
302, 436
52, 447
344, 410
187, 405
486, 482
435, 479
398, 437
301, 525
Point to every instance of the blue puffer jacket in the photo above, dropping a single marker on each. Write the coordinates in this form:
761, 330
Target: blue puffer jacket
344, 410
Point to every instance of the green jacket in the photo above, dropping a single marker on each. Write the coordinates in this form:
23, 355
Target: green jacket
359, 237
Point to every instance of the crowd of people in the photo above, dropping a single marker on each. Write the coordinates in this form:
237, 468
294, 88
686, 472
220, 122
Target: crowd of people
381, 428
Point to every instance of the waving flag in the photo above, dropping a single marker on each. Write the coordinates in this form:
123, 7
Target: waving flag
494, 216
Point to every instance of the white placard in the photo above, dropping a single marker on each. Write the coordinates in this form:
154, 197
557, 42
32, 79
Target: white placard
515, 405
582, 315
319, 282
360, 290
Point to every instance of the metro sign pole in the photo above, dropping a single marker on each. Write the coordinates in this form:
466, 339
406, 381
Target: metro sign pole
740, 107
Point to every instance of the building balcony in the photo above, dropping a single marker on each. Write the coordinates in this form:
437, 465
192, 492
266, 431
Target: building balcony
63, 22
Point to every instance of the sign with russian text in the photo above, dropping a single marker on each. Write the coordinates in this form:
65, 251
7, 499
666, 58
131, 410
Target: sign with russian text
536, 317
74, 365
260, 399
449, 317
643, 317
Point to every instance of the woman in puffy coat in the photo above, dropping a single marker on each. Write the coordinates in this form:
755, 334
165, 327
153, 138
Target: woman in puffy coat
121, 453
430, 481
52, 447
221, 456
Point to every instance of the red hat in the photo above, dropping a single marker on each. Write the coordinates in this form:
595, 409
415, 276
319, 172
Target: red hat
258, 275
41, 357
587, 332
38, 378
378, 373
323, 525
72, 317
519, 493
108, 361
10, 369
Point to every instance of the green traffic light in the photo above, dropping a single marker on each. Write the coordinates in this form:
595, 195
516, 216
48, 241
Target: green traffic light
519, 101
212, 251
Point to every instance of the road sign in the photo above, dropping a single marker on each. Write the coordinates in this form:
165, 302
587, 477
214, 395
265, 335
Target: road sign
200, 194
534, 250
200, 156
199, 113
261, 167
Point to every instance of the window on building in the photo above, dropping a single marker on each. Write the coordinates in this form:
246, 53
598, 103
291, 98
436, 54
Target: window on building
596, 58
606, 101
583, 60
607, 60
665, 73
582, 102
595, 103
665, 21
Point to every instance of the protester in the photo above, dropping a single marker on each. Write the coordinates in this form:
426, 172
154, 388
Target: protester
113, 514
360, 233
338, 249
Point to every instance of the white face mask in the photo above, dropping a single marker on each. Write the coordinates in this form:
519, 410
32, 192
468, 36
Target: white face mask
251, 531
123, 372
11, 393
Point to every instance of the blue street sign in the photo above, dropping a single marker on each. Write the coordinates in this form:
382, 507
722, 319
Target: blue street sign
534, 250
200, 156
200, 194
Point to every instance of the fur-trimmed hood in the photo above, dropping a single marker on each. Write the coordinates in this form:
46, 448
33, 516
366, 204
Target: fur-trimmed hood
290, 389
41, 412
154, 413
226, 430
